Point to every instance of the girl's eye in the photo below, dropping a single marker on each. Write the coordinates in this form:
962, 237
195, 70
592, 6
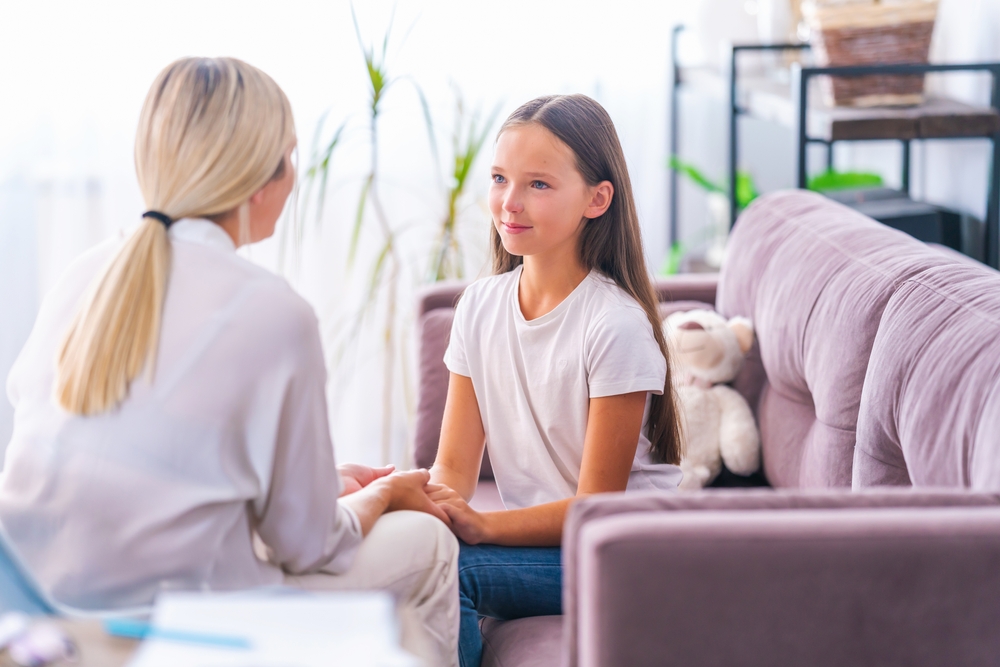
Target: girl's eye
497, 178
539, 185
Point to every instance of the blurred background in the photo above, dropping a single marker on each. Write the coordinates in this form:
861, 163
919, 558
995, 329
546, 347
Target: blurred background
73, 76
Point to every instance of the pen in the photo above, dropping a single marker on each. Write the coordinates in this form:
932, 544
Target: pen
140, 630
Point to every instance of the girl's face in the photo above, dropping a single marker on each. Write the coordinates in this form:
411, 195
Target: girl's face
538, 199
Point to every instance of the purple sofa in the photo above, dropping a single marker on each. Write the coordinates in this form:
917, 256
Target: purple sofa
877, 364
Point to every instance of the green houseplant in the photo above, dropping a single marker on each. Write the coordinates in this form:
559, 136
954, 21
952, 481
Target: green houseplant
718, 206
390, 272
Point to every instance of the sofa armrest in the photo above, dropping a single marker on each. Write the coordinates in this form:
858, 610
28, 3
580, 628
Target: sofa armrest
609, 506
688, 287
890, 586
443, 294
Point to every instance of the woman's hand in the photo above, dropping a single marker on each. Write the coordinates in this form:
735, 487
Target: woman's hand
354, 476
468, 525
406, 492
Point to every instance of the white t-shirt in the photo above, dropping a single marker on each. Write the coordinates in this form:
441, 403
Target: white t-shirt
166, 490
534, 380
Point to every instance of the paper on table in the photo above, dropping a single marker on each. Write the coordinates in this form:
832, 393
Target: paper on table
285, 629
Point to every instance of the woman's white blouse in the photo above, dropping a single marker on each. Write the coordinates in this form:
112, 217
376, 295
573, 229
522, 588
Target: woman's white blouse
229, 438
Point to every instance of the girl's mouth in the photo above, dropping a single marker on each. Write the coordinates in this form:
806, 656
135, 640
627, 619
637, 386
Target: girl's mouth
514, 228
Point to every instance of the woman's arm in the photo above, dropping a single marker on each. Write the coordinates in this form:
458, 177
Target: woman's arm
397, 491
613, 428
460, 452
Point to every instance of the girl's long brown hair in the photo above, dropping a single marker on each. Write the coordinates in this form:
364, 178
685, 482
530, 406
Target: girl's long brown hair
611, 243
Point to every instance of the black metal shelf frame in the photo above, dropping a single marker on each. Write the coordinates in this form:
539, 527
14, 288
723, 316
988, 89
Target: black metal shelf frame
800, 88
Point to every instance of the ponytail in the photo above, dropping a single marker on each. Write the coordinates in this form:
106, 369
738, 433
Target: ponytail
210, 134
116, 332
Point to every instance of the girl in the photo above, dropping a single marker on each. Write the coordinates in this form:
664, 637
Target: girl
558, 362
175, 411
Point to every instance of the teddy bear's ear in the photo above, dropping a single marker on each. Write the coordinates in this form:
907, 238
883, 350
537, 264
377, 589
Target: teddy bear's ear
743, 329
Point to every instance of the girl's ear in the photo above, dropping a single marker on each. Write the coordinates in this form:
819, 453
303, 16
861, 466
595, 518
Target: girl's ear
604, 192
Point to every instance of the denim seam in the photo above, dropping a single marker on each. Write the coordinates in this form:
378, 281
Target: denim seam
462, 568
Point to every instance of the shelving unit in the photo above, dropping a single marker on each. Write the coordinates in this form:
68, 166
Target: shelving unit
798, 107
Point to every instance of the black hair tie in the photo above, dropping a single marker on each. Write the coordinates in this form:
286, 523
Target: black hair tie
156, 215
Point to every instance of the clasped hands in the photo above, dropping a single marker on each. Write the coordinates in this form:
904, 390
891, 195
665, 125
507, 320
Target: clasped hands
413, 490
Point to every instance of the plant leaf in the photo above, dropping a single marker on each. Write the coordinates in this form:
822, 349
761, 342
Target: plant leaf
359, 217
429, 124
695, 175
842, 180
746, 191
324, 170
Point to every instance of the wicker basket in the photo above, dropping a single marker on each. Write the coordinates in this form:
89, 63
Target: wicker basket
867, 32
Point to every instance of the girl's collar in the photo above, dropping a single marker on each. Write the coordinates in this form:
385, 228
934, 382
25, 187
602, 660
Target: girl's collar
552, 314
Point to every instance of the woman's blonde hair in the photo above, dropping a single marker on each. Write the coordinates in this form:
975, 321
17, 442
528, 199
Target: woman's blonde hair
213, 131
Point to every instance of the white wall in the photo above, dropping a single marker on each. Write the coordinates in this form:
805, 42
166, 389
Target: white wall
74, 75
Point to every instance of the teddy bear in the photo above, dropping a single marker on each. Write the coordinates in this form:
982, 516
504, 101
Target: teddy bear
716, 423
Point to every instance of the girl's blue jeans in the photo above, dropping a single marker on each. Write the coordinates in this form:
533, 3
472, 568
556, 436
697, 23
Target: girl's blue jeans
504, 583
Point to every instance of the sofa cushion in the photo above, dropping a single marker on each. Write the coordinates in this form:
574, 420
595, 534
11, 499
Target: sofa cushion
814, 277
824, 588
524, 642
668, 308
603, 506
931, 409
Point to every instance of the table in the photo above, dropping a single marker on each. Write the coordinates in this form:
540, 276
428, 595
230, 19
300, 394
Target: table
96, 648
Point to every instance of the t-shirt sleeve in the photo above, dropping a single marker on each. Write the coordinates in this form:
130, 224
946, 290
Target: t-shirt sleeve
622, 355
456, 355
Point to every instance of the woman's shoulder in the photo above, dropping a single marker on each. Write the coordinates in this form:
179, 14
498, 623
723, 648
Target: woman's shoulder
64, 297
263, 300
279, 304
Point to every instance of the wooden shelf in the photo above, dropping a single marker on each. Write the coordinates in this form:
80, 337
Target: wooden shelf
770, 98
937, 118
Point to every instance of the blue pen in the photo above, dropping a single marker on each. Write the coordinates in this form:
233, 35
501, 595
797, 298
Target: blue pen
121, 627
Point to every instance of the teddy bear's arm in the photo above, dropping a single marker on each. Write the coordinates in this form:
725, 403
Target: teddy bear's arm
738, 439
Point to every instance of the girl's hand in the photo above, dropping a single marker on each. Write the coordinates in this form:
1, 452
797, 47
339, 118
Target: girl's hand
406, 492
354, 476
468, 525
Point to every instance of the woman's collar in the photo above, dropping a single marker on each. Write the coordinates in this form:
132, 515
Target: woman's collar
199, 230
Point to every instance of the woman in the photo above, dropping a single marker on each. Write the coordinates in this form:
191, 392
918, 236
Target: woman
170, 404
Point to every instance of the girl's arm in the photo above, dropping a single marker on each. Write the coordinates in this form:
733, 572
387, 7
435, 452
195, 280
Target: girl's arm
397, 491
460, 451
613, 427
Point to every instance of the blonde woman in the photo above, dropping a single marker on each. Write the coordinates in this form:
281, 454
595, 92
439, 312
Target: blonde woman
170, 406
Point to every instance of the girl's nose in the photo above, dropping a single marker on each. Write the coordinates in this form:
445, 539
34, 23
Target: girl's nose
512, 203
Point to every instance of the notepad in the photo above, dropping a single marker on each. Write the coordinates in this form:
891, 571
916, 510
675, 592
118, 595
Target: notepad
281, 628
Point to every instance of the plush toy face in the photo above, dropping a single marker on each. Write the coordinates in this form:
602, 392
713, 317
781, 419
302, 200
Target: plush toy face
705, 347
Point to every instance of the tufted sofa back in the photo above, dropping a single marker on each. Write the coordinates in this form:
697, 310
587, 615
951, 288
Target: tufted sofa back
864, 336
815, 277
930, 415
